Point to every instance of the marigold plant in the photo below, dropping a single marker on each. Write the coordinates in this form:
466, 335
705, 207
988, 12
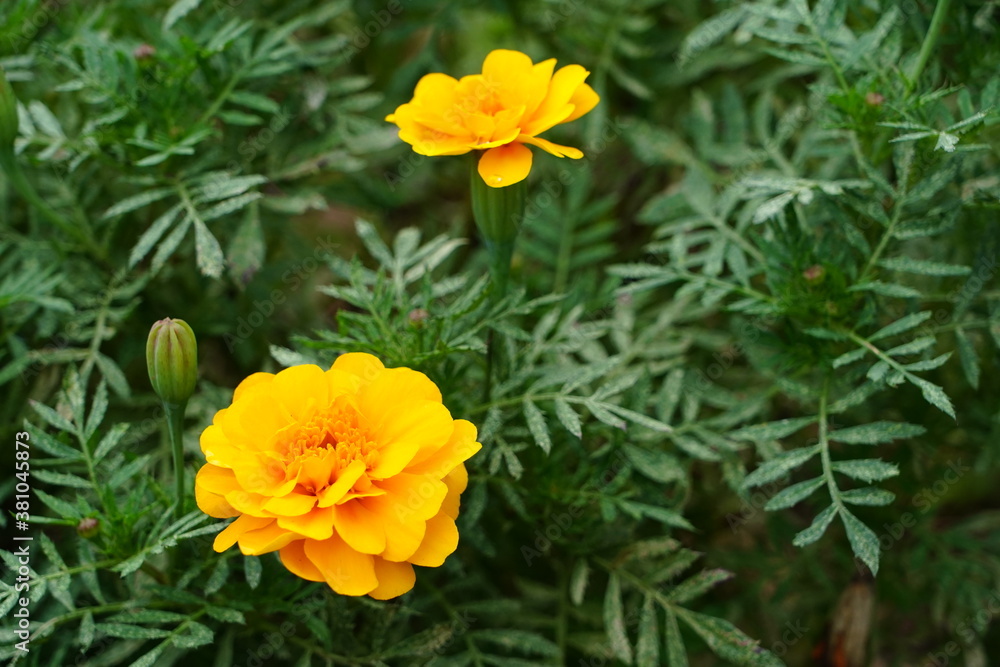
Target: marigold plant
498, 111
353, 474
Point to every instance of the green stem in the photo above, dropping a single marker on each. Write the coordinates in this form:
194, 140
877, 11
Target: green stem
824, 444
930, 41
175, 429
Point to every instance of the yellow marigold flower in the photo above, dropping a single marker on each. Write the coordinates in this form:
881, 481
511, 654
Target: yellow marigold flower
498, 111
352, 474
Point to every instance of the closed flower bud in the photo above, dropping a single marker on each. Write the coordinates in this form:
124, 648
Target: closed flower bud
8, 115
172, 360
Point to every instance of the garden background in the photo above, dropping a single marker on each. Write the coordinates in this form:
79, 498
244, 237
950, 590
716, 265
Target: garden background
744, 407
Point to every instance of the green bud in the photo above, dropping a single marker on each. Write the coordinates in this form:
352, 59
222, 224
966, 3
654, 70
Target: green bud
8, 115
172, 360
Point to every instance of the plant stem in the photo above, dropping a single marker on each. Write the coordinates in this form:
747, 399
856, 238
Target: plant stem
175, 430
930, 41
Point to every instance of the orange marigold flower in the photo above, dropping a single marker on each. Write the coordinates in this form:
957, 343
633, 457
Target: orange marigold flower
352, 474
498, 111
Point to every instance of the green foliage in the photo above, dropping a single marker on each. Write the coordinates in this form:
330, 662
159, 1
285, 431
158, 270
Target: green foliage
752, 329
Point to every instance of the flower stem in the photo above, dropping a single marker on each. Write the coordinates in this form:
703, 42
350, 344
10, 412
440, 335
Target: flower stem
175, 430
930, 41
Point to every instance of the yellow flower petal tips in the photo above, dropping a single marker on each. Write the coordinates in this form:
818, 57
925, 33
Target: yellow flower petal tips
498, 111
353, 474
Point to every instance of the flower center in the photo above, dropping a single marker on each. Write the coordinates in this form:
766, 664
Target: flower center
336, 434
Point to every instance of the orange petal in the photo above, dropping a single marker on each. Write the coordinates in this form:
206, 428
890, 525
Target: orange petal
394, 579
556, 107
359, 527
411, 496
440, 541
265, 540
218, 449
316, 524
293, 504
583, 100
337, 490
213, 504
293, 556
549, 147
345, 570
236, 529
505, 165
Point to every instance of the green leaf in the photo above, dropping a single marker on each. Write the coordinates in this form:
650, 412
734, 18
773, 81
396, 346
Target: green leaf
252, 570
52, 417
869, 495
656, 465
87, 629
772, 430
727, 641
209, 252
177, 11
867, 470
137, 201
779, 466
568, 417
967, 356
698, 585
903, 324
536, 424
793, 494
886, 289
676, 652
924, 267
614, 620
876, 433
578, 581
126, 631
657, 513
816, 528
935, 395
864, 541
647, 648
153, 234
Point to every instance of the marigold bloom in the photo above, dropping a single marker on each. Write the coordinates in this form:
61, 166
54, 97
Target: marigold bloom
498, 111
352, 474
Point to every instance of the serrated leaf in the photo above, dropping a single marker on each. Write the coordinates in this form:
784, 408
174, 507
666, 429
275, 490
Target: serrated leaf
698, 585
647, 648
779, 466
208, 250
864, 541
727, 641
614, 621
935, 395
153, 234
876, 433
568, 417
536, 424
902, 324
177, 11
252, 571
578, 581
676, 651
138, 201
869, 496
793, 494
816, 528
772, 430
968, 357
924, 267
867, 470
656, 465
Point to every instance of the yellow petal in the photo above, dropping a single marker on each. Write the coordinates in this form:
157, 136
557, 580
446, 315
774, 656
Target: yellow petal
215, 479
556, 107
249, 503
411, 496
213, 504
395, 456
440, 541
359, 527
435, 91
251, 381
459, 447
236, 529
394, 579
345, 570
555, 149
218, 450
317, 524
265, 540
364, 366
337, 490
583, 100
293, 556
293, 504
301, 390
505, 165
457, 480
